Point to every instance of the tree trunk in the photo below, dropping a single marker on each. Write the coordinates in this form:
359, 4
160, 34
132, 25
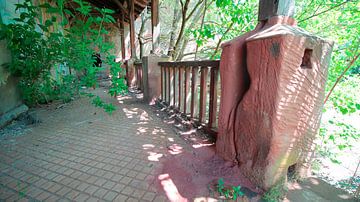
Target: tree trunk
174, 25
144, 19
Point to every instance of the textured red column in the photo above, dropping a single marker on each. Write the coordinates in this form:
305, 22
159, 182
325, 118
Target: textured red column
273, 82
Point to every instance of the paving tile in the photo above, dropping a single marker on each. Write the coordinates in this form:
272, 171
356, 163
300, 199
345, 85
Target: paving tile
91, 189
43, 196
138, 193
109, 184
132, 200
149, 196
72, 194
128, 190
100, 193
63, 191
110, 196
126, 180
100, 182
82, 186
121, 197
81, 197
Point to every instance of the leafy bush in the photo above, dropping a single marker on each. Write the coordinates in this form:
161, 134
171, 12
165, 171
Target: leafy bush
38, 47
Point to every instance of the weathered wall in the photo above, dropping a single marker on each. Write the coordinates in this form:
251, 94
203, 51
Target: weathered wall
9, 93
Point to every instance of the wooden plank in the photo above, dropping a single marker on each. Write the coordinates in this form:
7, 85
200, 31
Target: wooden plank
180, 89
169, 85
162, 80
187, 91
214, 79
166, 83
203, 92
132, 28
175, 86
207, 63
194, 91
141, 78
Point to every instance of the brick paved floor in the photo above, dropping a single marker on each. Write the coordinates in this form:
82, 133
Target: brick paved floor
80, 153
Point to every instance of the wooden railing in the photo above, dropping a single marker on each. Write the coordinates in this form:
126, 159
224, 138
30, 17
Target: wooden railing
139, 76
192, 87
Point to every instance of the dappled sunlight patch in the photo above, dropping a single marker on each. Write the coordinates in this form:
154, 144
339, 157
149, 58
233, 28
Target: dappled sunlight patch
189, 132
175, 149
142, 123
344, 196
204, 199
314, 181
171, 139
294, 186
196, 146
153, 156
144, 116
141, 130
148, 146
130, 112
157, 130
121, 98
170, 188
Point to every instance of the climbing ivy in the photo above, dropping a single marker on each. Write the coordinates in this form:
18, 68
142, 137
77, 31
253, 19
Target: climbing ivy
40, 45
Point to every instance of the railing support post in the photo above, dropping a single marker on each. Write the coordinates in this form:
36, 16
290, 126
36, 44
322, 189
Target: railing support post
152, 77
272, 92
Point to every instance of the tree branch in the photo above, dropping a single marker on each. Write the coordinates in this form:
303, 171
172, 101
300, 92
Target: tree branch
340, 77
220, 40
193, 10
322, 12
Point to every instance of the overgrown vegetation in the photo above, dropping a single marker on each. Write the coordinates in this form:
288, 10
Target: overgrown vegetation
54, 57
276, 193
230, 192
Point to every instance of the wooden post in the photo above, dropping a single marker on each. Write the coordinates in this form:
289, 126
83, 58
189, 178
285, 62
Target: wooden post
270, 8
122, 34
132, 28
155, 25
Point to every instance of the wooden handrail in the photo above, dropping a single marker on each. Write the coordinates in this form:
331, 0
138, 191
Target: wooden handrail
203, 63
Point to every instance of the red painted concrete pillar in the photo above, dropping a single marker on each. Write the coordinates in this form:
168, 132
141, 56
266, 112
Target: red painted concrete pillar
273, 82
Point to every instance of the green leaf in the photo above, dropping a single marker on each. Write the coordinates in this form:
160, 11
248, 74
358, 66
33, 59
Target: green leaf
343, 110
357, 105
48, 23
109, 11
67, 11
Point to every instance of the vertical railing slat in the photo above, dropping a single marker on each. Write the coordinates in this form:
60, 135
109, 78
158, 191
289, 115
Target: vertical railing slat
203, 91
175, 95
187, 91
180, 88
194, 91
169, 85
162, 82
214, 75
